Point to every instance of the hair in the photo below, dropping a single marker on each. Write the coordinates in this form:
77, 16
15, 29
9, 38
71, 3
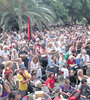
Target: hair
13, 94
49, 75
14, 50
37, 83
67, 81
7, 75
8, 63
35, 57
80, 70
83, 80
53, 56
33, 72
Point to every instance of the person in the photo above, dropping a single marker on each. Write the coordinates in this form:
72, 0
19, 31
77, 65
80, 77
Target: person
8, 65
49, 86
14, 95
23, 78
72, 78
5, 52
85, 90
81, 75
24, 55
79, 61
63, 67
85, 57
38, 85
9, 80
53, 65
14, 58
71, 62
4, 90
65, 89
36, 66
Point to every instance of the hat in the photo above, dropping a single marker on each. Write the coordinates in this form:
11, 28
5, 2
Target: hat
7, 72
22, 66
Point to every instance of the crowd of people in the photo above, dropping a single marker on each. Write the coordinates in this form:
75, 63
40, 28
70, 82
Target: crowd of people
37, 65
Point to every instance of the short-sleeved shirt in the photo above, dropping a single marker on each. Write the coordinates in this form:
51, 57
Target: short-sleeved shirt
23, 87
51, 82
65, 90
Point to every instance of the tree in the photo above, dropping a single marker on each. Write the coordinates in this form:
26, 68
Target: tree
18, 11
59, 9
78, 9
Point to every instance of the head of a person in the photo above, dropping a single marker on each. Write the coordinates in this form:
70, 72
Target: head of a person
5, 58
19, 60
24, 49
35, 59
14, 51
8, 65
84, 82
71, 58
67, 82
33, 74
15, 95
74, 52
5, 48
51, 75
71, 72
8, 75
84, 52
80, 72
38, 84
22, 68
16, 71
50, 45
61, 53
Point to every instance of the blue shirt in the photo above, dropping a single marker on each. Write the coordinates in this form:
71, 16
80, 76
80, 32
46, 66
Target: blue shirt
79, 61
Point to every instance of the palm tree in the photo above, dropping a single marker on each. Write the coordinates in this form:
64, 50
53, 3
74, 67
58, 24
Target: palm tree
19, 10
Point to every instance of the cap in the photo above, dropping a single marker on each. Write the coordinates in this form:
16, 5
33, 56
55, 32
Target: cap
22, 66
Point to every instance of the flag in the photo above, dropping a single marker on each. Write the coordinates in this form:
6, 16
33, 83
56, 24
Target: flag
29, 31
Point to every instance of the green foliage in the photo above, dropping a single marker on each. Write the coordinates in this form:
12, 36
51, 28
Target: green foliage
19, 10
59, 9
43, 12
84, 21
78, 9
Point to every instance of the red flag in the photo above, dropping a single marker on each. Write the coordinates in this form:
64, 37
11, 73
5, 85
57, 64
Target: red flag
29, 31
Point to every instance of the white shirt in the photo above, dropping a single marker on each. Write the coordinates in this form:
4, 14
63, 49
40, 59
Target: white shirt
5, 53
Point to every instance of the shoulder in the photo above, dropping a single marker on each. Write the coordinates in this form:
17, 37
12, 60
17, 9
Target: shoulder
62, 86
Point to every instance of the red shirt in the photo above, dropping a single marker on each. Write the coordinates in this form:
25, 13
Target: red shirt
70, 62
51, 82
